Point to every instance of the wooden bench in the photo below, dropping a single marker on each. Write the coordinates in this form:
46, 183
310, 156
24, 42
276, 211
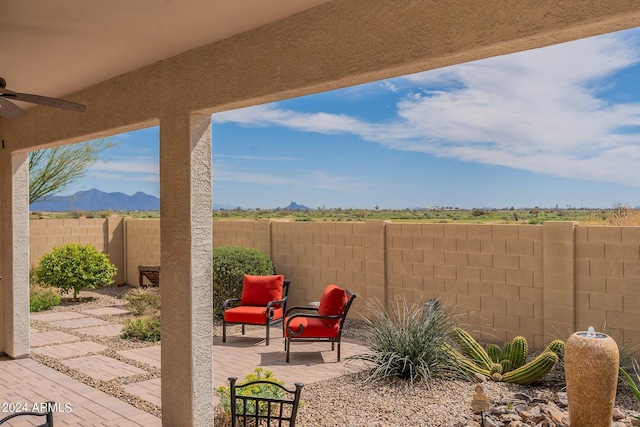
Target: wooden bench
151, 272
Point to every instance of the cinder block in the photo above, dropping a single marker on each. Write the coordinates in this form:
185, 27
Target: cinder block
565, 282
456, 287
591, 284
433, 230
468, 302
631, 287
560, 298
557, 314
622, 251
531, 263
630, 234
422, 242
434, 286
468, 245
582, 300
401, 242
479, 231
534, 295
444, 245
424, 270
468, 274
412, 255
582, 267
493, 305
619, 320
413, 282
394, 255
481, 260
520, 308
506, 292
532, 326
444, 271
558, 250
506, 322
506, 262
519, 247
606, 268
631, 269
530, 232
558, 265
455, 231
598, 233
493, 246
456, 258
411, 230
590, 250
480, 289
504, 232
519, 278
434, 258
558, 231
586, 317
492, 276
401, 268
631, 304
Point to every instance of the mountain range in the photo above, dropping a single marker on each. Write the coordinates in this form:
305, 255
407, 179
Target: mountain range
95, 200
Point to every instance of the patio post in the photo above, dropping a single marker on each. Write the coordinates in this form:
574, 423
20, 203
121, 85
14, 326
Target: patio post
14, 287
186, 260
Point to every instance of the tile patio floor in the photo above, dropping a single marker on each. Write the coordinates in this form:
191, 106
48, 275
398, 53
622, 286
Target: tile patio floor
26, 381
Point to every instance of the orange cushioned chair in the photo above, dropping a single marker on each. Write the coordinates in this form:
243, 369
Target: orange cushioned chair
322, 323
263, 302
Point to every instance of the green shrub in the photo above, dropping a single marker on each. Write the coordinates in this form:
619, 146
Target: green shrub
42, 298
260, 390
230, 264
73, 266
142, 302
409, 342
143, 328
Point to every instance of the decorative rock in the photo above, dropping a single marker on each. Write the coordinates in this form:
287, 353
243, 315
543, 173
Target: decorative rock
479, 378
617, 414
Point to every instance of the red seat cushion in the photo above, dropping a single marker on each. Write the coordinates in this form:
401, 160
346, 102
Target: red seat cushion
250, 314
260, 290
313, 328
332, 303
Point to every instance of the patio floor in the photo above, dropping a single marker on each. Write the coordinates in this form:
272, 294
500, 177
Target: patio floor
26, 382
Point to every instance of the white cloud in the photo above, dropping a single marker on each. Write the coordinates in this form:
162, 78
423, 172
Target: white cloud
538, 110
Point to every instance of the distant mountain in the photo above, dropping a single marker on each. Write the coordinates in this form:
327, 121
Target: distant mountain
96, 200
293, 206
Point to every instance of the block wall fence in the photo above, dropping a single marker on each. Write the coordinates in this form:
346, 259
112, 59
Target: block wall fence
539, 281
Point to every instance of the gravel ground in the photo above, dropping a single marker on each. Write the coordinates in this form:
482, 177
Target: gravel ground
344, 401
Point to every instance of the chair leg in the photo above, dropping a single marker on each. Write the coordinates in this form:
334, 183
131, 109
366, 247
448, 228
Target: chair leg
287, 345
338, 350
224, 331
267, 341
243, 329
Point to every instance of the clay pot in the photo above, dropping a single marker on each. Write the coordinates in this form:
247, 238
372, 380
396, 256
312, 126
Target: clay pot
591, 371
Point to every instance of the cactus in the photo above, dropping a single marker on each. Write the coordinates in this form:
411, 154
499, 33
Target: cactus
494, 352
508, 364
556, 346
518, 354
471, 348
532, 371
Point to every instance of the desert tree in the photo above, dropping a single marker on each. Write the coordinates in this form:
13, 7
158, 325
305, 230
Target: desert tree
51, 170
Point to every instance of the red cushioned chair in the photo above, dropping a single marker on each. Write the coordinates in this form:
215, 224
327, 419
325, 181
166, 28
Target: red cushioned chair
263, 302
322, 323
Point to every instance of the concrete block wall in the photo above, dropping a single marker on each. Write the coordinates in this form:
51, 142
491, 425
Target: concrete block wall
142, 246
607, 269
542, 282
490, 274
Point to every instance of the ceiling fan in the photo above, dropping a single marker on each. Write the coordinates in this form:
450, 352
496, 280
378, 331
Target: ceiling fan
11, 110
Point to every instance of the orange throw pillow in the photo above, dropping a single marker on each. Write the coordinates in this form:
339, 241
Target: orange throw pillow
259, 290
332, 303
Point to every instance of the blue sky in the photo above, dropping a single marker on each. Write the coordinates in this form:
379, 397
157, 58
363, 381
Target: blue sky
558, 126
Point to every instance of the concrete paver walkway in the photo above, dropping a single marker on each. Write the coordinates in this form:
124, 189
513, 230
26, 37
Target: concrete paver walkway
28, 382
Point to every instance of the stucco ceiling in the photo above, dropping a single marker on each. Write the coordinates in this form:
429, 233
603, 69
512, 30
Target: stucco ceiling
57, 47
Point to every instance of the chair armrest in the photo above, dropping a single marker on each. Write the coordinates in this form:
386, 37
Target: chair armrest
274, 302
300, 307
228, 303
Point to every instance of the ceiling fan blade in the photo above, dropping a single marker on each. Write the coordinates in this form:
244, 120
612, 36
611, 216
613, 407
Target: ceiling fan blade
45, 100
9, 109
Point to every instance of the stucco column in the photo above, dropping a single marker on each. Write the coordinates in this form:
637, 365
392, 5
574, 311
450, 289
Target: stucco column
186, 262
15, 255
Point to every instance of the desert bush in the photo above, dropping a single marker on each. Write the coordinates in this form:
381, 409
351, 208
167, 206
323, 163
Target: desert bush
73, 266
409, 342
143, 328
42, 298
142, 302
230, 264
633, 385
259, 390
